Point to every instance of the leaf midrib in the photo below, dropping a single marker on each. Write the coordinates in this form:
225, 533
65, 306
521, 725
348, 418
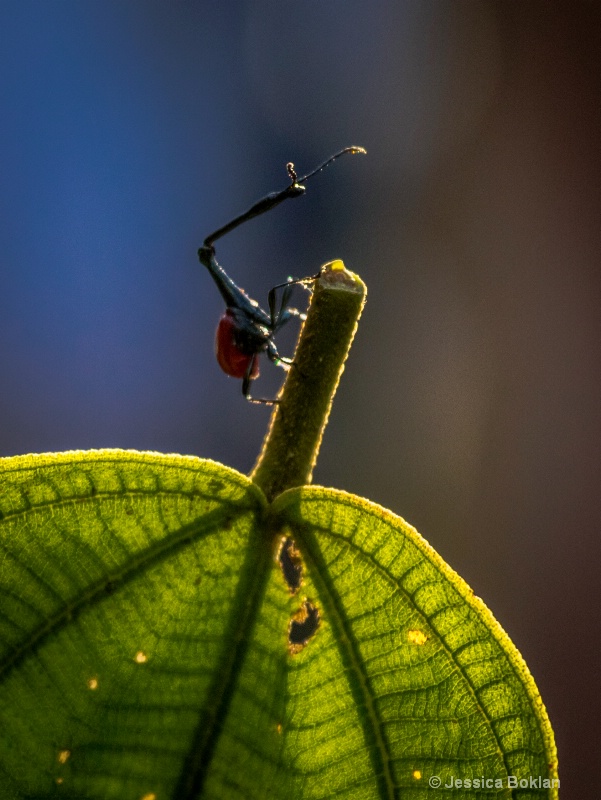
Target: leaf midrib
396, 584
363, 694
244, 613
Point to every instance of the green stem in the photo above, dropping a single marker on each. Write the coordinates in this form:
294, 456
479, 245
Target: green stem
297, 424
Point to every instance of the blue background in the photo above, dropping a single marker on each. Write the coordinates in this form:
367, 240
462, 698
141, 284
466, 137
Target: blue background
470, 404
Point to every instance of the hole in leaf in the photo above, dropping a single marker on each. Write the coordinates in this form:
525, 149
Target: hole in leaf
302, 627
291, 564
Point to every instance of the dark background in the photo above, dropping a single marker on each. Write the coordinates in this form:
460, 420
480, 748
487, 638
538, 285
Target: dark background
471, 401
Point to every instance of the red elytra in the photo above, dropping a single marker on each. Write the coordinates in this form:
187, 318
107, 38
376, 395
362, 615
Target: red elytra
229, 356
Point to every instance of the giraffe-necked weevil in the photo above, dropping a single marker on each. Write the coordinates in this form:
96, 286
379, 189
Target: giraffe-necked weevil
245, 330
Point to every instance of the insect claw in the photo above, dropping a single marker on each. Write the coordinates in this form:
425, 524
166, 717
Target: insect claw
261, 400
294, 312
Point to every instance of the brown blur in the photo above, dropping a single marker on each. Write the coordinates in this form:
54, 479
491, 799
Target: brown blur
486, 430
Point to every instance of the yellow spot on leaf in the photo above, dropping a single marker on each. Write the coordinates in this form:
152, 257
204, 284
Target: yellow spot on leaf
59, 781
93, 683
141, 658
417, 637
149, 796
279, 727
63, 756
417, 774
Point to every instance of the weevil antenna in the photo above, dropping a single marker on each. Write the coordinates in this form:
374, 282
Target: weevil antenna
291, 173
324, 165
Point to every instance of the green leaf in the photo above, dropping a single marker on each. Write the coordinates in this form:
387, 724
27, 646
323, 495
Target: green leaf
406, 661
145, 652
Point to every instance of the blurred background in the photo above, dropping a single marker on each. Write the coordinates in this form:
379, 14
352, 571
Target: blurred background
471, 401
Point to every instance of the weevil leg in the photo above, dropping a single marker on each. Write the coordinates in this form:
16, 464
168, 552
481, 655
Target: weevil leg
276, 358
274, 312
246, 381
281, 361
286, 314
297, 282
281, 315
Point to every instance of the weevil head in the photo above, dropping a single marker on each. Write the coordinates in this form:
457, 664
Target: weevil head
205, 254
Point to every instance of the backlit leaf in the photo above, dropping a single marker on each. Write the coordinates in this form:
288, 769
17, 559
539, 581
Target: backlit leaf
153, 647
